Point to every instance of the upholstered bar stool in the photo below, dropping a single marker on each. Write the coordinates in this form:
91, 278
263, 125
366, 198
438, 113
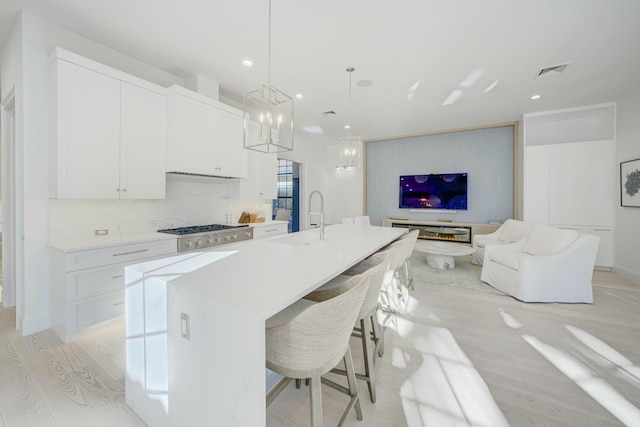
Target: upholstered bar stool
315, 340
357, 220
409, 241
369, 328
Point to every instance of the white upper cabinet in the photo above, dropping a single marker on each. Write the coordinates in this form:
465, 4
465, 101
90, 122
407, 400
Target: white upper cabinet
108, 136
205, 137
263, 174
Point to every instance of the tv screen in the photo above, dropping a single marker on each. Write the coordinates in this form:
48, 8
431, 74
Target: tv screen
434, 191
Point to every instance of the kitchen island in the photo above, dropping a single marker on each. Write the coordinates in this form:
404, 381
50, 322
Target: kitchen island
195, 321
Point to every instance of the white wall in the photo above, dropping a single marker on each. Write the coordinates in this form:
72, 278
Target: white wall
345, 191
310, 153
627, 238
11, 80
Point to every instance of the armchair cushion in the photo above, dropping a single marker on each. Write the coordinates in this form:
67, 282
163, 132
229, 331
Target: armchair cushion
510, 259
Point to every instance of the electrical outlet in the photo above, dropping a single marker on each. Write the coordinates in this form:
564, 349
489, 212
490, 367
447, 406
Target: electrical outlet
101, 232
185, 326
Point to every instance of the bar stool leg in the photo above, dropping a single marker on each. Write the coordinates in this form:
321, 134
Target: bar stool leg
369, 367
315, 394
353, 388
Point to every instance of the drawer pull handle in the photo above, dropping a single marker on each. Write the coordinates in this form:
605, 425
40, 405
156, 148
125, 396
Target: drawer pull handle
130, 253
269, 231
118, 303
117, 277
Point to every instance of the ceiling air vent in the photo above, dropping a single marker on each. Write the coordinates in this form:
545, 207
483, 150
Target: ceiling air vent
552, 71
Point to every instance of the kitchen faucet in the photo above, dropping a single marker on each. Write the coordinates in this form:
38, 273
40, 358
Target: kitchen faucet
321, 213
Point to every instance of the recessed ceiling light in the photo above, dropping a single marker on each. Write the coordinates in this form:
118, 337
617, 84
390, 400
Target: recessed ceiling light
247, 63
453, 97
472, 78
316, 129
364, 83
536, 96
299, 95
491, 87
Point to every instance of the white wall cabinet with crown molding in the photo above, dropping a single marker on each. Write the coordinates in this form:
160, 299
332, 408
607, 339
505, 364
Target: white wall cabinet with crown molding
205, 137
108, 134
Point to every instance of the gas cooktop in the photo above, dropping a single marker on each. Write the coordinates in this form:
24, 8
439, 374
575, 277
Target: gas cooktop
205, 236
200, 229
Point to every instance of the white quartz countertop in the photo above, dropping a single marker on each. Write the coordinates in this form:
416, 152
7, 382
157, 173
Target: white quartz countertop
108, 241
265, 276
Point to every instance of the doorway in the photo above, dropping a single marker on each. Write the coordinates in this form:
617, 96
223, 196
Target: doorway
7, 211
288, 191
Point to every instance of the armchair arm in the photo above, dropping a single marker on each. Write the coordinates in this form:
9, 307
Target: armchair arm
565, 276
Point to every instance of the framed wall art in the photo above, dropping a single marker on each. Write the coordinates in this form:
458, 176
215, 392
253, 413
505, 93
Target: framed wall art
630, 183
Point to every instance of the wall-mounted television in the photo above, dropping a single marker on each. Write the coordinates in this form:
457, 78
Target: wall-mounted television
434, 191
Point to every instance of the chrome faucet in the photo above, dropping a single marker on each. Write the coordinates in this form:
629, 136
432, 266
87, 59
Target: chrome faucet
321, 213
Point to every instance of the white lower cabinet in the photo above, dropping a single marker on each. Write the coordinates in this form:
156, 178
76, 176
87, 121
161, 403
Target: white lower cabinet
270, 229
88, 284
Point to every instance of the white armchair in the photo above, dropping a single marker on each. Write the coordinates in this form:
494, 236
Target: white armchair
511, 231
549, 265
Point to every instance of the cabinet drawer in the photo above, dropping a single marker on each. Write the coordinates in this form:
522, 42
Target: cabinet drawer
89, 311
269, 231
95, 281
118, 254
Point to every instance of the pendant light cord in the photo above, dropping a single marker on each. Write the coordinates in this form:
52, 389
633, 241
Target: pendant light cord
269, 52
350, 70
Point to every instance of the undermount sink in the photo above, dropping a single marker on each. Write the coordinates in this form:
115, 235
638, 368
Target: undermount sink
298, 239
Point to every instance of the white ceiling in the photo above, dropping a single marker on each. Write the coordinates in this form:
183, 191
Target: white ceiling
395, 44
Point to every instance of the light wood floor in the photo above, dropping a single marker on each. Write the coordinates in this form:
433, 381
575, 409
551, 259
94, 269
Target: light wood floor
457, 358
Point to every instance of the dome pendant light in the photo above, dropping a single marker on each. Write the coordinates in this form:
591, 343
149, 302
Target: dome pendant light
275, 115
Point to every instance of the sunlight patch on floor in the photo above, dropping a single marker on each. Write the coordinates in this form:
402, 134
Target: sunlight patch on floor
597, 388
510, 321
604, 350
446, 389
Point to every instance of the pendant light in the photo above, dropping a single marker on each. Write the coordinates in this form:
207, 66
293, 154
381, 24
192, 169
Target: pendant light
349, 147
275, 114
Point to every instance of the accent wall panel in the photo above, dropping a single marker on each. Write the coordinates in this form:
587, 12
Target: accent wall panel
486, 155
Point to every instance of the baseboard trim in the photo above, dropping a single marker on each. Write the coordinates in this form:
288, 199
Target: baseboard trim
633, 276
35, 324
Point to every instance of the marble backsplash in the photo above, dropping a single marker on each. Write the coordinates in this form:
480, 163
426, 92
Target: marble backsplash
190, 200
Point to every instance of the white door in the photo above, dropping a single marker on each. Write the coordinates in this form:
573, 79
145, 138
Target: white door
8, 223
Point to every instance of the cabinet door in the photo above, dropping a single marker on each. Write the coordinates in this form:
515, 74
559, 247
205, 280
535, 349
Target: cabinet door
231, 157
142, 143
581, 176
536, 184
261, 181
604, 258
88, 133
266, 166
